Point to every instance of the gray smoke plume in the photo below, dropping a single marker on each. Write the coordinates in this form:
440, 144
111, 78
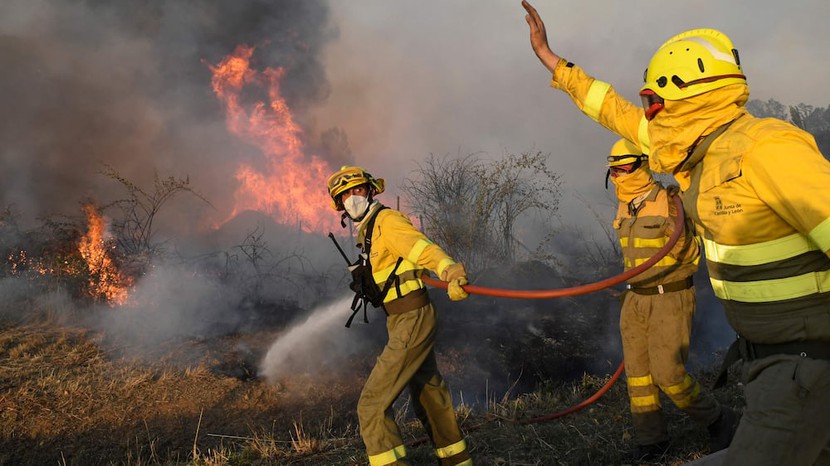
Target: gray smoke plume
127, 84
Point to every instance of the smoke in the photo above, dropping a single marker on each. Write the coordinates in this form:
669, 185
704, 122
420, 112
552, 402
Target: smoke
168, 304
317, 346
127, 84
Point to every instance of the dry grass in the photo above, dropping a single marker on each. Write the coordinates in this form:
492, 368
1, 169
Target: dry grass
64, 400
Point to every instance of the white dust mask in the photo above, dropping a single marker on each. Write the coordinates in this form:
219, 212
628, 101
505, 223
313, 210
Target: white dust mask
356, 206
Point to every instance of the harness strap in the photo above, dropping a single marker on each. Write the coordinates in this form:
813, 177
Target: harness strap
392, 278
356, 302
698, 150
367, 238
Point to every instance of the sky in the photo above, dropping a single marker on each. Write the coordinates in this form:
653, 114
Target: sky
410, 79
88, 83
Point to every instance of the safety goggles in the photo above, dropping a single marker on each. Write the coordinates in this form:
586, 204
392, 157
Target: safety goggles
624, 169
344, 180
619, 170
652, 103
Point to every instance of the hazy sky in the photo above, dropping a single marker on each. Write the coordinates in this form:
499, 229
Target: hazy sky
448, 77
127, 84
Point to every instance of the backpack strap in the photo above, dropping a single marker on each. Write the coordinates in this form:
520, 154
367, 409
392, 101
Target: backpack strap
698, 150
360, 299
370, 227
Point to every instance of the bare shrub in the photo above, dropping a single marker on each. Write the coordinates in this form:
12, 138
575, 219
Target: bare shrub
471, 207
134, 229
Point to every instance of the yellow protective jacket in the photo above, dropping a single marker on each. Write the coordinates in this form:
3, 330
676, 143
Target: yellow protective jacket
760, 197
645, 230
760, 200
394, 236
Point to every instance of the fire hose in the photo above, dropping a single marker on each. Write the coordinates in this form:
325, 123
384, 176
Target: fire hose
576, 291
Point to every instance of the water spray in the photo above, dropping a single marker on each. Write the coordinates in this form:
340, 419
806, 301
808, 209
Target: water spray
310, 341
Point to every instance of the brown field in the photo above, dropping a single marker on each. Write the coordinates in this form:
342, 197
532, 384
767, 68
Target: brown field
69, 395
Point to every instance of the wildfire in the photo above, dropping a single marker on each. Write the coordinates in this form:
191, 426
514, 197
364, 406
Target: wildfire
105, 280
291, 186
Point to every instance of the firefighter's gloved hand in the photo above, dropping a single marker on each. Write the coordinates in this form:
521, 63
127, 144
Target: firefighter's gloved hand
456, 277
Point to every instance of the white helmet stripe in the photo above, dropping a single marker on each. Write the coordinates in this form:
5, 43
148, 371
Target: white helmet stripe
727, 57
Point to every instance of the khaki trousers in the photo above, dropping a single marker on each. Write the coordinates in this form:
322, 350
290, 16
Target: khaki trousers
408, 360
655, 332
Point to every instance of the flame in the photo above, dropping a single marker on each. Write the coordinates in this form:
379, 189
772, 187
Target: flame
291, 186
105, 280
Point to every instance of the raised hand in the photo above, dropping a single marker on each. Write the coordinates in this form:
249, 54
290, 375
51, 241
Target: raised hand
539, 37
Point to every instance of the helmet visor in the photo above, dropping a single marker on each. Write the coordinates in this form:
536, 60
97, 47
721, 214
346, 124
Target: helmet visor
652, 103
345, 179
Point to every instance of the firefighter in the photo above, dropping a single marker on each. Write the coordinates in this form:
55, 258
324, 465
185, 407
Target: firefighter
395, 247
658, 308
757, 191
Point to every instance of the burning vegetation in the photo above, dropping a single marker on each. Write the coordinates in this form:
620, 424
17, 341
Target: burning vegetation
287, 183
97, 247
85, 257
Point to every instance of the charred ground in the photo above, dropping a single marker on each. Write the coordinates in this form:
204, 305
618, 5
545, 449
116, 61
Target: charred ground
73, 394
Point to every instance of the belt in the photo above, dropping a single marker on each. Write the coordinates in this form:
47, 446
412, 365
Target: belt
679, 285
813, 349
743, 349
408, 302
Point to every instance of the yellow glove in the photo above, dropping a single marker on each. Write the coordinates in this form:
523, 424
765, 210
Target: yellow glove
456, 277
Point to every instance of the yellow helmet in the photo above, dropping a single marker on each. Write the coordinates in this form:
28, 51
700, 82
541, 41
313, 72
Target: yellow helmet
623, 152
691, 63
349, 177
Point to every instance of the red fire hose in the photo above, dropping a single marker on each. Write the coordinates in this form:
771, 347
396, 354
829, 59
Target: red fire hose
576, 291
581, 289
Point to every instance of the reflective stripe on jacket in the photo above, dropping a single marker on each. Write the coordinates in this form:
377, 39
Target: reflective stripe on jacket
761, 201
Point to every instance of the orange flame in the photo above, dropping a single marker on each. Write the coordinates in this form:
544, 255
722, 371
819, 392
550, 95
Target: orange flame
292, 186
105, 280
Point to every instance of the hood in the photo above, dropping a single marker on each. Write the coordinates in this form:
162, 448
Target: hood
676, 129
630, 186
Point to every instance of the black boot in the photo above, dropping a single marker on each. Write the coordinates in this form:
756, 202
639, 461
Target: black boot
722, 430
651, 453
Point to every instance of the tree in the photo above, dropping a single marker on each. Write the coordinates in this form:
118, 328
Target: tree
769, 109
814, 120
471, 207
